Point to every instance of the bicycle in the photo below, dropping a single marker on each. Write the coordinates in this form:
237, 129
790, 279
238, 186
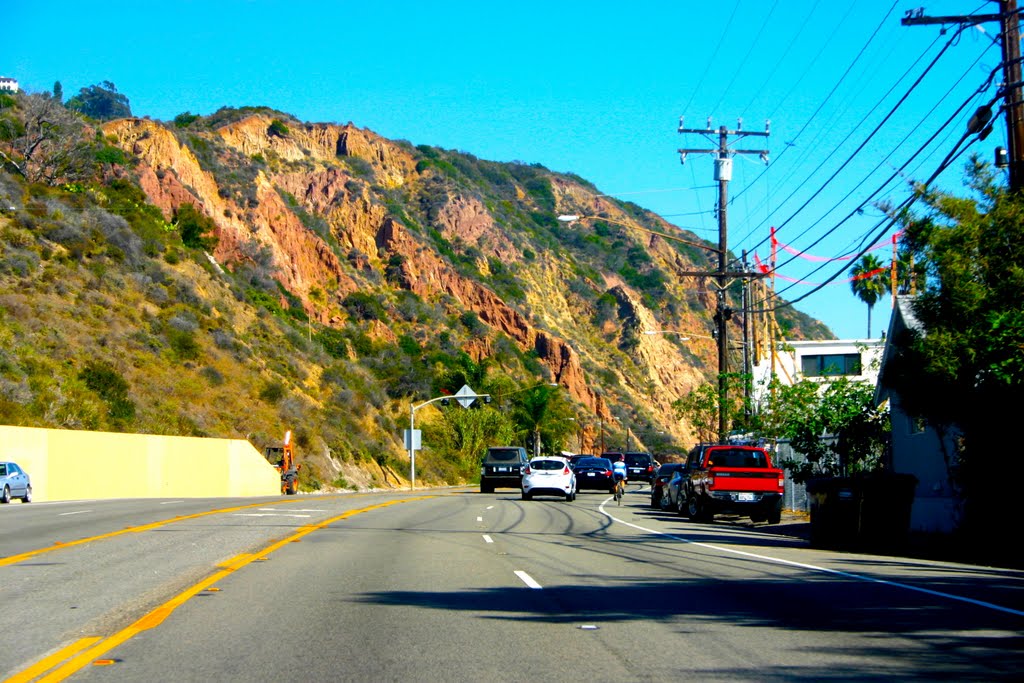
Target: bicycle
620, 488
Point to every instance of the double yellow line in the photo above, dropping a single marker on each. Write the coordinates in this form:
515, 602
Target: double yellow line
84, 651
60, 545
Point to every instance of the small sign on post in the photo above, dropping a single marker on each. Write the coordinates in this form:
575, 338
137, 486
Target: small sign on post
415, 442
465, 396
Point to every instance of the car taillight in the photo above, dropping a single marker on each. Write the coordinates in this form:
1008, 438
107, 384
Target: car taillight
782, 482
565, 471
608, 473
527, 470
650, 468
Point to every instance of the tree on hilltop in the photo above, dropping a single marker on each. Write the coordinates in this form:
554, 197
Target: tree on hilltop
101, 102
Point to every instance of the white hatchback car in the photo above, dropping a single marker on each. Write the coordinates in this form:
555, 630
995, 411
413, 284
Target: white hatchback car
549, 476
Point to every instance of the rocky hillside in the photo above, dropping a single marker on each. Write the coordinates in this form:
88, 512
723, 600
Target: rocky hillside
245, 273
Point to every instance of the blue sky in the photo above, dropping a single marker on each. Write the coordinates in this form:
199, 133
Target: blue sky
592, 88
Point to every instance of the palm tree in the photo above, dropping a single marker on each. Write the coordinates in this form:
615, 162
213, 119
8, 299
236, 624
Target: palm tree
870, 281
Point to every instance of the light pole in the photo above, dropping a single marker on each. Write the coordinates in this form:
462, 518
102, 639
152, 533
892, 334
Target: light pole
572, 218
413, 440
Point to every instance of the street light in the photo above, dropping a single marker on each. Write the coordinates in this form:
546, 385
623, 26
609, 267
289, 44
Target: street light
413, 442
572, 218
692, 334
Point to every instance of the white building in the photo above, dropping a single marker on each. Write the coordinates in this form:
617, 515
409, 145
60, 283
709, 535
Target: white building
820, 361
8, 84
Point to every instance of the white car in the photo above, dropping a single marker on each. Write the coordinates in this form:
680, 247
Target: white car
549, 476
14, 483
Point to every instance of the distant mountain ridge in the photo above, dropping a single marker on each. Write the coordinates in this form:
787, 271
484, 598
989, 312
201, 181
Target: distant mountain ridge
388, 255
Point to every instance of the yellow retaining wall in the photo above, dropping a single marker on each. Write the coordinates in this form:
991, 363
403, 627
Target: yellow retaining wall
66, 464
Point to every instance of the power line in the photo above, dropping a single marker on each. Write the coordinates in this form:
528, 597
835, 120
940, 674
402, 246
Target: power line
860, 147
863, 203
775, 69
746, 57
714, 55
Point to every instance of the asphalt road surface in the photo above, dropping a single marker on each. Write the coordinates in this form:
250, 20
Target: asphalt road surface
460, 586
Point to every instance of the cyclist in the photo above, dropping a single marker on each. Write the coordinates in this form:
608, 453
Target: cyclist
620, 475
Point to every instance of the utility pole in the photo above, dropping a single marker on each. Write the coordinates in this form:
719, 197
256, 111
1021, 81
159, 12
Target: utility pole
1009, 33
723, 174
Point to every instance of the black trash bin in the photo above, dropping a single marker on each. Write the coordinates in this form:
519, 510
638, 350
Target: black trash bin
870, 512
835, 503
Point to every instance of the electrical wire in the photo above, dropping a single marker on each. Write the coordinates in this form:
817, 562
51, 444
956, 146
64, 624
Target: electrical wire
775, 69
892, 177
837, 147
714, 55
950, 157
954, 40
904, 206
746, 57
870, 136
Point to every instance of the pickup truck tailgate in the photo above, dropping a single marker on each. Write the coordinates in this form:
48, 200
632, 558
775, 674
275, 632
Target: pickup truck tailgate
744, 479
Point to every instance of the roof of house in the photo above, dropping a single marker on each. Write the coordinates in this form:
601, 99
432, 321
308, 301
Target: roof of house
903, 318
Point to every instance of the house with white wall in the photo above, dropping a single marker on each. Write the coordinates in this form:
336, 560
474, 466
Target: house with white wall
918, 448
8, 84
820, 361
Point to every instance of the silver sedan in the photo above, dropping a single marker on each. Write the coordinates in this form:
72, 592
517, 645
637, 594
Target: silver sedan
14, 483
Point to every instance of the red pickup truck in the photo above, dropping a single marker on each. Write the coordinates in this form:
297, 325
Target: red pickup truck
733, 479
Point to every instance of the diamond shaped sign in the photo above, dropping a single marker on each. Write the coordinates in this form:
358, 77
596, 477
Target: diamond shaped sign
465, 396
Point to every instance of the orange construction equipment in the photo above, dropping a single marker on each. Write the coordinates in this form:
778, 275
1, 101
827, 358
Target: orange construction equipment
283, 458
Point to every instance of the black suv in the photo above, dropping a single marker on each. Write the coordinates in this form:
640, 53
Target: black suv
502, 466
641, 467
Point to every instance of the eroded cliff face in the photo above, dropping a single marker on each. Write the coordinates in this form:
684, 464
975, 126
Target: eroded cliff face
170, 175
309, 173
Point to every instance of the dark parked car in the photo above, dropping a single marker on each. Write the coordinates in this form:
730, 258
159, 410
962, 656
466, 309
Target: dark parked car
594, 473
641, 467
674, 493
573, 459
661, 479
502, 466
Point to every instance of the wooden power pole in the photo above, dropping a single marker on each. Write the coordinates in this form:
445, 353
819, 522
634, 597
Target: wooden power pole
723, 174
1009, 33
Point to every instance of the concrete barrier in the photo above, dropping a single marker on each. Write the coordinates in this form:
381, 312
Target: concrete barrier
66, 464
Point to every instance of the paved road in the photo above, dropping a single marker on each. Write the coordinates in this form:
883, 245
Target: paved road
455, 585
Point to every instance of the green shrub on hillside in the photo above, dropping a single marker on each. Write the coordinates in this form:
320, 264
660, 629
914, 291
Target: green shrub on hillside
277, 128
185, 119
363, 306
110, 386
198, 231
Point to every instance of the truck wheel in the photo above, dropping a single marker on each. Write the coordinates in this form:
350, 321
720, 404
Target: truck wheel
289, 487
775, 516
486, 488
692, 508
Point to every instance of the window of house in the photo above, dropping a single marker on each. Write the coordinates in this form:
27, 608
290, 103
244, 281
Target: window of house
830, 365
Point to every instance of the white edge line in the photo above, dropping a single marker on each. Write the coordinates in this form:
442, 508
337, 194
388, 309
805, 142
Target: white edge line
76, 512
488, 539
527, 579
826, 570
